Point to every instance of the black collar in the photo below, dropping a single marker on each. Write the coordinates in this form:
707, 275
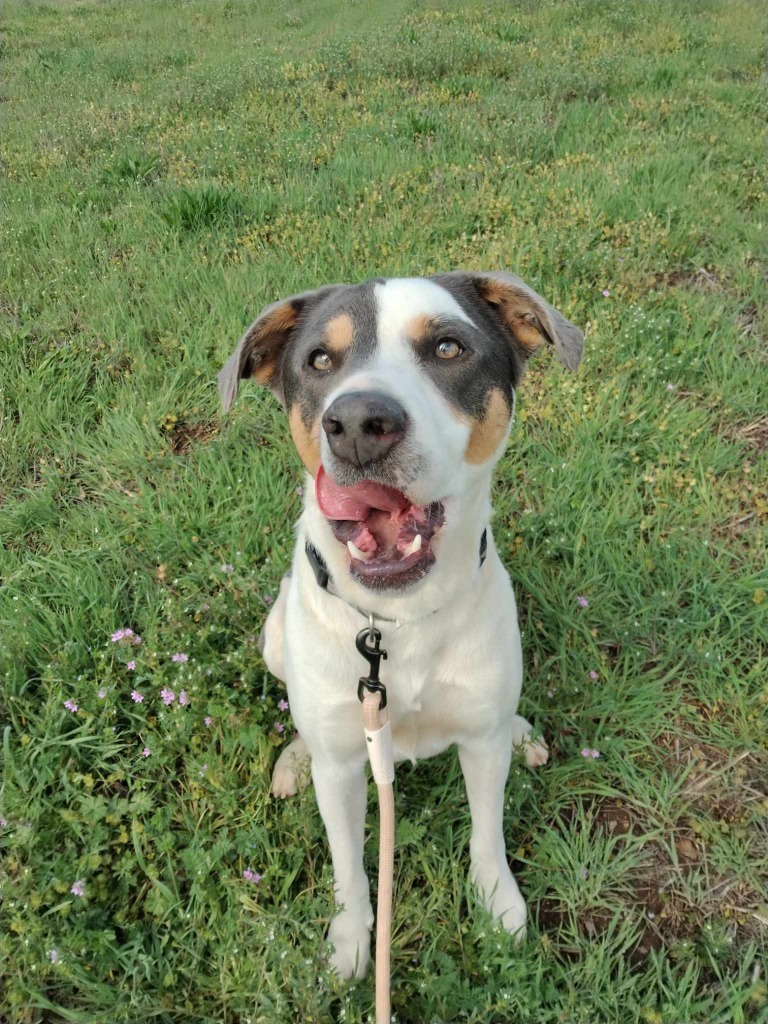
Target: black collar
323, 577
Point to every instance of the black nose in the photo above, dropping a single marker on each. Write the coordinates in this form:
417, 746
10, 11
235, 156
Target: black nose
363, 426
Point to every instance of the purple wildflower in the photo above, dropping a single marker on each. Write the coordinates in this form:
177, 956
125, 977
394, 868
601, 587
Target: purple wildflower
78, 888
252, 876
282, 705
208, 721
279, 727
131, 665
53, 956
102, 693
183, 698
268, 599
136, 640
180, 657
137, 697
146, 752
117, 636
167, 696
593, 675
606, 293
581, 600
70, 706
227, 567
587, 752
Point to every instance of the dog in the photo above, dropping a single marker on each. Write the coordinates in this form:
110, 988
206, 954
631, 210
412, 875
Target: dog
400, 395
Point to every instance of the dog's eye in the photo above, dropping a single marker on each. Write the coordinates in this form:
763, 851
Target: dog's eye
320, 360
448, 349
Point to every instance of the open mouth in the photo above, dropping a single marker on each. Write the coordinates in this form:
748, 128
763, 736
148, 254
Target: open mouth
388, 538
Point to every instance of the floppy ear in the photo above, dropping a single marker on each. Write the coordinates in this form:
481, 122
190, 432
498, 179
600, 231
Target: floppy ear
260, 349
530, 319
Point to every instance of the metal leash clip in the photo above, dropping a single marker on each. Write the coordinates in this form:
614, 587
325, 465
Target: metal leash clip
367, 643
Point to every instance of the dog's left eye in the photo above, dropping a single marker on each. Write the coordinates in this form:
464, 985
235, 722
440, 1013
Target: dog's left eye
448, 349
320, 360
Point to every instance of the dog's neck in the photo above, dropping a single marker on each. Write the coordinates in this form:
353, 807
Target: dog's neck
456, 548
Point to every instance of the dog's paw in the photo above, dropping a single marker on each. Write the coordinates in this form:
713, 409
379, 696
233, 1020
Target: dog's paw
536, 752
508, 907
501, 896
351, 940
292, 771
514, 917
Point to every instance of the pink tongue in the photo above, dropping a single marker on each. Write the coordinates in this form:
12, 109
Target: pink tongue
355, 502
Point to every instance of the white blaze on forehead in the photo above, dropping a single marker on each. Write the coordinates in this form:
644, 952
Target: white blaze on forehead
403, 298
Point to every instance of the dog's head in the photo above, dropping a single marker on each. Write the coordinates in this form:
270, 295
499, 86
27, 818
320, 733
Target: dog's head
399, 395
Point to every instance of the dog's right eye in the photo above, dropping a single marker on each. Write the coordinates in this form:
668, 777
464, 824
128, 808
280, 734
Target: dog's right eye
320, 360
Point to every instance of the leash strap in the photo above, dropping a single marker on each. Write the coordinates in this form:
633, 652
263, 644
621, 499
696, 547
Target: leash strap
378, 740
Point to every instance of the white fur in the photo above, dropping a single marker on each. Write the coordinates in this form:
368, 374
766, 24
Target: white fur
454, 667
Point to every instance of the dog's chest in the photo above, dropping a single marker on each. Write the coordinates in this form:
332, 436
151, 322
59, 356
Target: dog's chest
427, 713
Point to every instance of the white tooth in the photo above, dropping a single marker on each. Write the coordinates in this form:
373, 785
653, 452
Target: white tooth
356, 552
413, 547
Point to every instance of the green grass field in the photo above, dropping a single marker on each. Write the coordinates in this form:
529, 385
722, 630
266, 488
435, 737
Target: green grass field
171, 167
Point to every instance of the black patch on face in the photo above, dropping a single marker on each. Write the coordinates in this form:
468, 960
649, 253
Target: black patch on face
489, 361
309, 388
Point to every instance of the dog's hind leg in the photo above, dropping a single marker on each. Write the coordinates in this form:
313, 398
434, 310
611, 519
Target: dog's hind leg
292, 769
272, 638
536, 751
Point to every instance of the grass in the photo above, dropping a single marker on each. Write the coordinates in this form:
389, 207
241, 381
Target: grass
171, 167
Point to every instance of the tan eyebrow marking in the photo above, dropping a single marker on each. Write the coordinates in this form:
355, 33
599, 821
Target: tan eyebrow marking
339, 333
419, 327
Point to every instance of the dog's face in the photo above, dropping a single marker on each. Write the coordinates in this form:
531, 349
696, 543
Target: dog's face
397, 391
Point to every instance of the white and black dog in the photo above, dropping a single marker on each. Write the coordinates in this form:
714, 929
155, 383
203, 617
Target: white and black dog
400, 395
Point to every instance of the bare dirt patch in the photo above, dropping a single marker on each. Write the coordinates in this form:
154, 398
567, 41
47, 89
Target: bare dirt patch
699, 278
185, 435
675, 890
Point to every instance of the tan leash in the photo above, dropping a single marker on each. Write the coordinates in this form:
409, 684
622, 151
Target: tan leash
378, 737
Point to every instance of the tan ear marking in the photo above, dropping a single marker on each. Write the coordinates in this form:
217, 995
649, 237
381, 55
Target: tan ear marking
527, 330
272, 327
489, 430
529, 318
307, 440
516, 311
339, 333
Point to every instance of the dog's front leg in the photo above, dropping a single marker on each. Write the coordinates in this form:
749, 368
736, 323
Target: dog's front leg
485, 764
341, 791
